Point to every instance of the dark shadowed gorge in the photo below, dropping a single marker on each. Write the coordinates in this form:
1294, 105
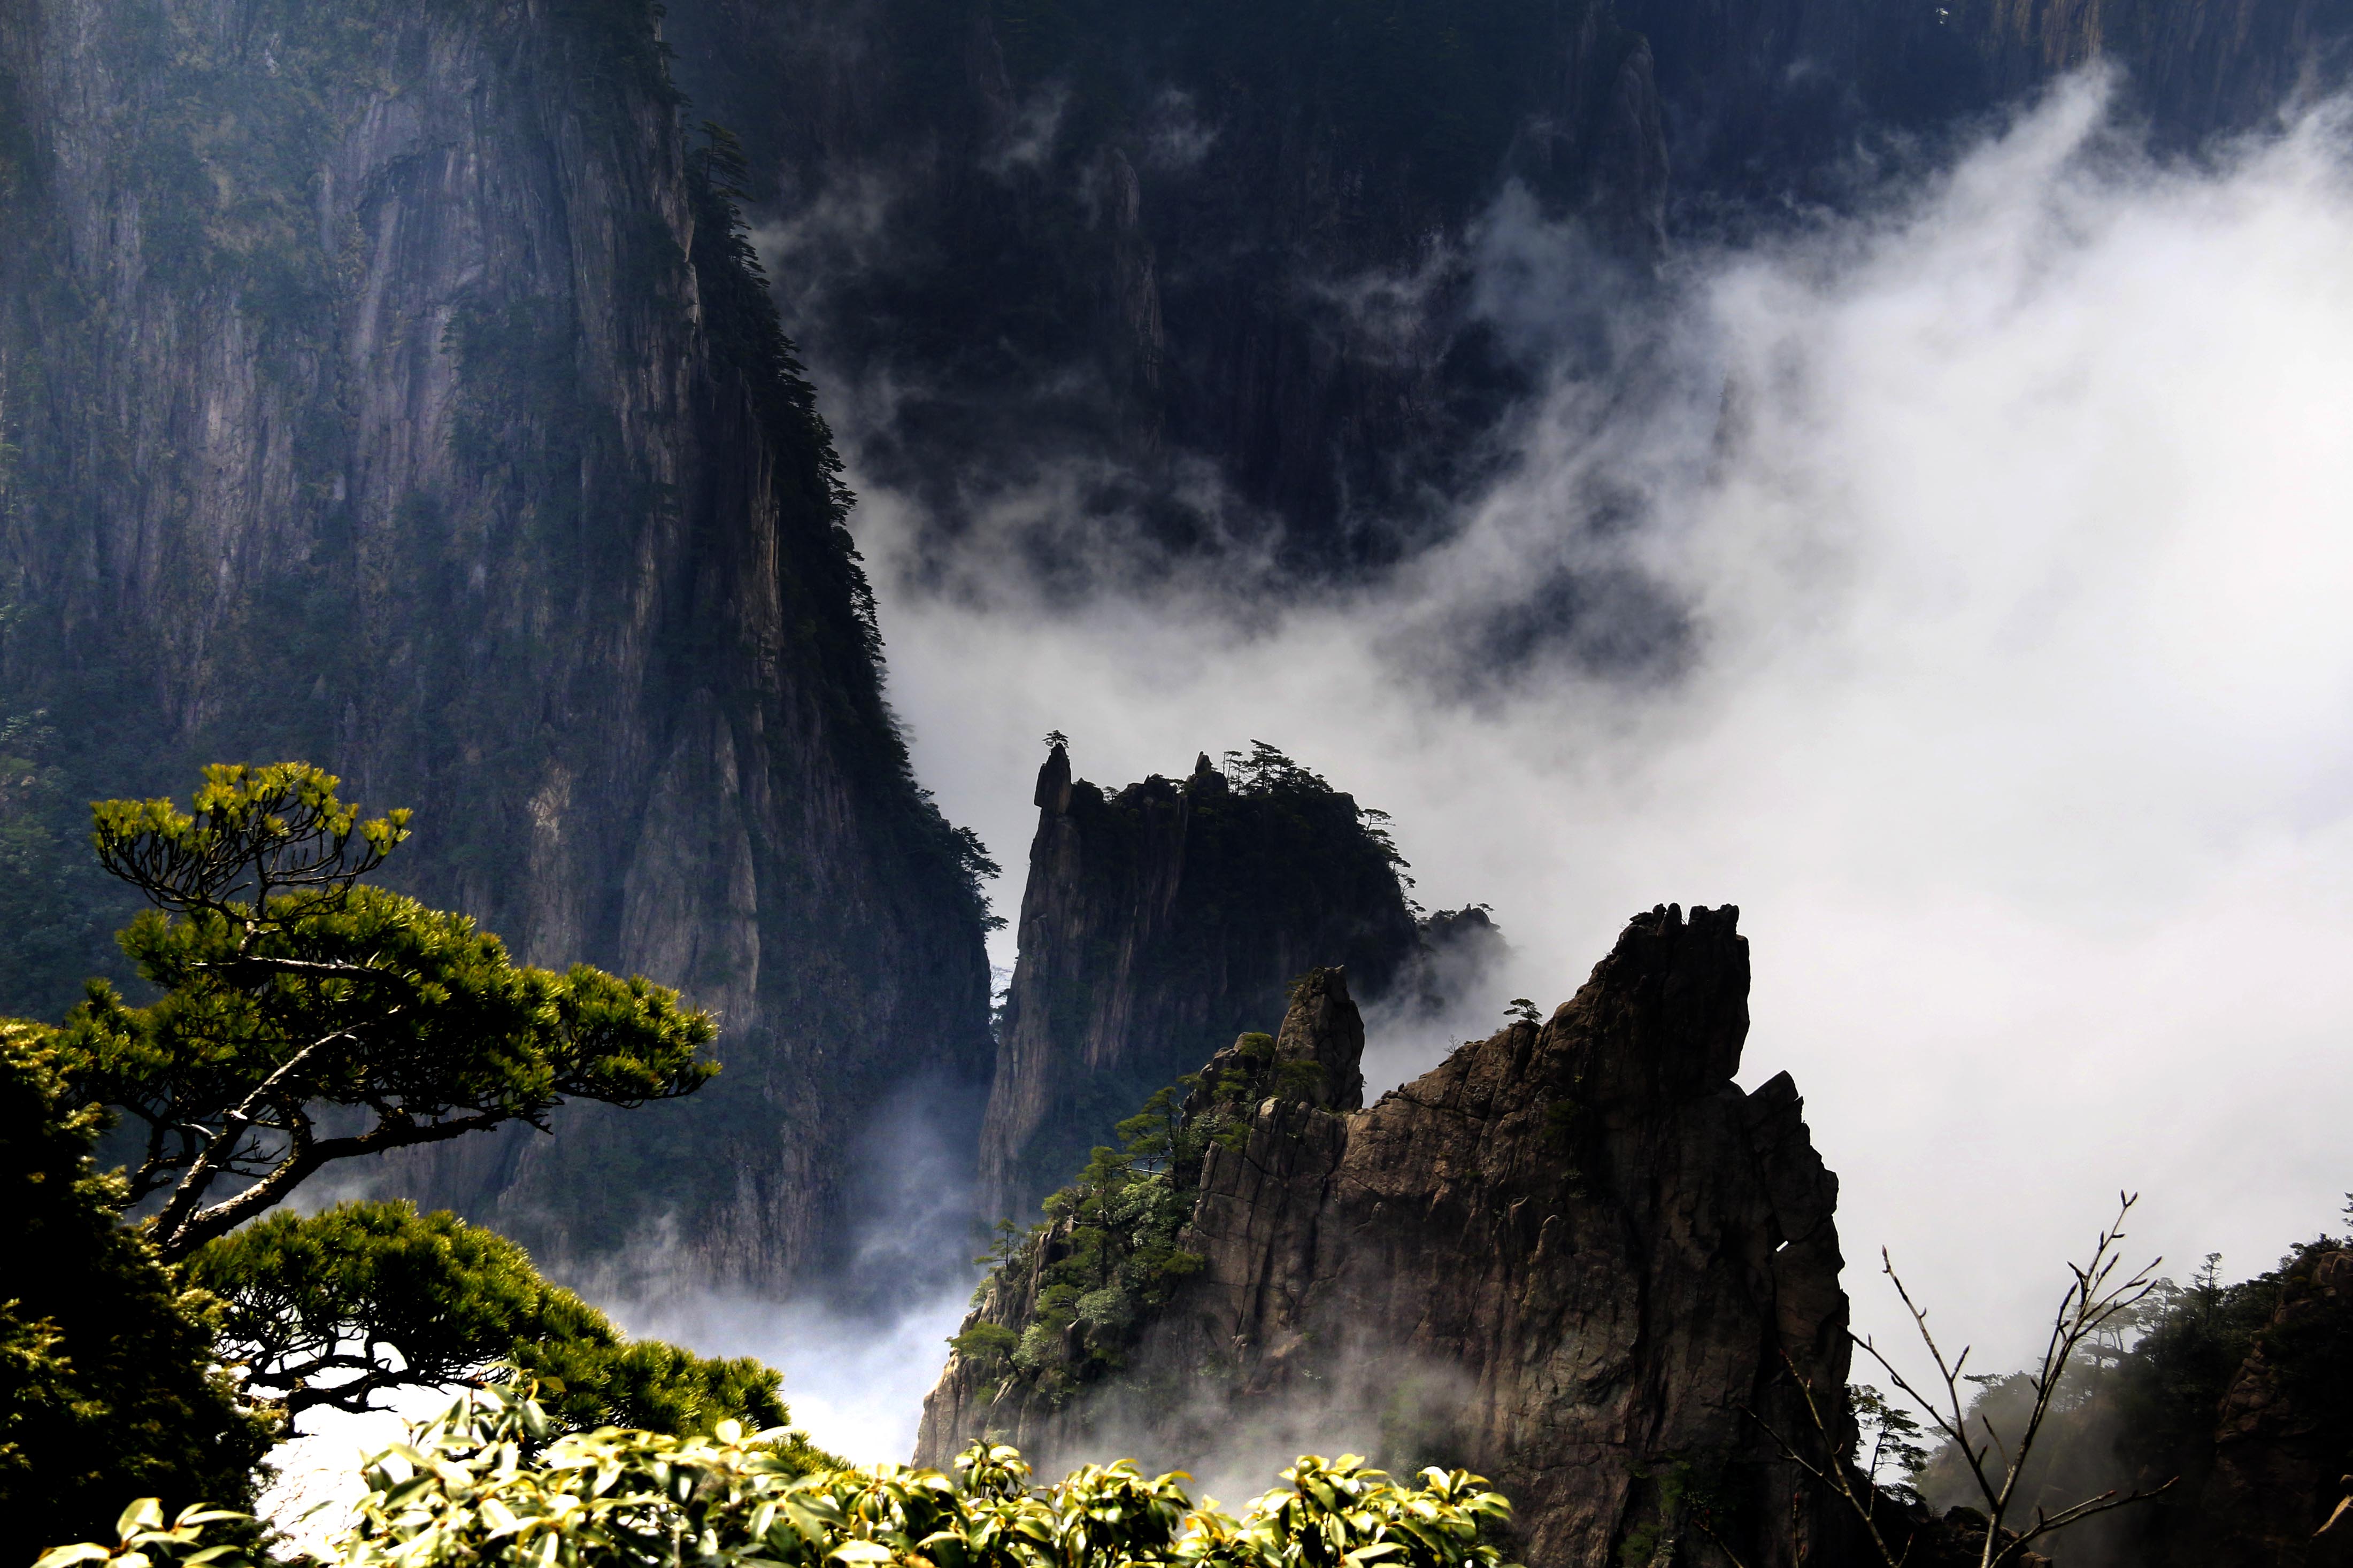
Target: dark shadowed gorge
1192, 273
1119, 283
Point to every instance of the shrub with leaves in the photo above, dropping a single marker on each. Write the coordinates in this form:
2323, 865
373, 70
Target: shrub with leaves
1108, 1251
142, 1538
485, 1483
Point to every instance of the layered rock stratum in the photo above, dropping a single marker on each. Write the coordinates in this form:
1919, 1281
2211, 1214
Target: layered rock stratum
1575, 1256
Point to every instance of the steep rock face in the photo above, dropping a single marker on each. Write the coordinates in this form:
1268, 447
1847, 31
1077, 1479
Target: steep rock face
1158, 924
387, 386
2280, 1436
1209, 276
1193, 271
1757, 100
1573, 1256
2194, 67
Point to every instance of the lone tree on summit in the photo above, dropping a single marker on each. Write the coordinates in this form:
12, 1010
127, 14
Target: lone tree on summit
290, 987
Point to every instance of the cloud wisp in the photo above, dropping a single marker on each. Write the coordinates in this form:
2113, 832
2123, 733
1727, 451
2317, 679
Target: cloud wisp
2000, 535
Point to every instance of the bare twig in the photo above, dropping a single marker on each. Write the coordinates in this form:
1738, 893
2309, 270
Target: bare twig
2096, 1300
1833, 1473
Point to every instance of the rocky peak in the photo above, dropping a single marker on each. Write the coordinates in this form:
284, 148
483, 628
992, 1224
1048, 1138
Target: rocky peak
1575, 1256
1324, 1029
1162, 921
1313, 1059
1053, 793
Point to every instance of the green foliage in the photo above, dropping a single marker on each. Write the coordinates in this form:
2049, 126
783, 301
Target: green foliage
106, 1384
378, 1296
1890, 1446
290, 987
141, 1537
1107, 1252
1110, 1250
1255, 1048
253, 832
985, 1345
476, 1486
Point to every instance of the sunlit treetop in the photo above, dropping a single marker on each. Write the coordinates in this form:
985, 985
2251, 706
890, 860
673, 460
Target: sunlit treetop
253, 833
291, 987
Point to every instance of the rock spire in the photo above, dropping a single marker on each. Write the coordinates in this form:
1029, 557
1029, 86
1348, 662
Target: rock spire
1575, 1256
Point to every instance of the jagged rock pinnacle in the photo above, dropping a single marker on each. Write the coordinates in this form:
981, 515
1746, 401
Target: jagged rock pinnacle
1324, 1027
1054, 782
1573, 1256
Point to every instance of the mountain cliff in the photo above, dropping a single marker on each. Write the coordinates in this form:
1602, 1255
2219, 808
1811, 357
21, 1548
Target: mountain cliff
2279, 1444
392, 387
1575, 1256
1197, 274
1252, 279
1158, 923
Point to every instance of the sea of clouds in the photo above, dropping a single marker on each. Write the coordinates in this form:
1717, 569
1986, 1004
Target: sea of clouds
2006, 524
2002, 536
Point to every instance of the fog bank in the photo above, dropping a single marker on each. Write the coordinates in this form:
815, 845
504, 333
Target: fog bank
2004, 686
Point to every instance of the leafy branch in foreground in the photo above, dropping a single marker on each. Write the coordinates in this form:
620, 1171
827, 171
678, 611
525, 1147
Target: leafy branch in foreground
2100, 1298
334, 1308
291, 987
109, 1386
483, 1483
142, 1538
